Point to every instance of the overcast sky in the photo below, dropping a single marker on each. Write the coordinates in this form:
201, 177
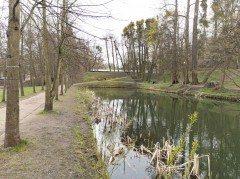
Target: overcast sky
123, 12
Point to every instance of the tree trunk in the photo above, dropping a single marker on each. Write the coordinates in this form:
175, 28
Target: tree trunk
48, 102
116, 55
209, 73
12, 135
21, 67
144, 61
42, 82
5, 84
60, 52
58, 38
195, 45
66, 82
223, 78
62, 80
109, 65
30, 42
117, 52
175, 51
113, 55
186, 64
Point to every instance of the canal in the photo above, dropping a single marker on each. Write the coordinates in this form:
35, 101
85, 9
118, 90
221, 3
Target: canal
151, 118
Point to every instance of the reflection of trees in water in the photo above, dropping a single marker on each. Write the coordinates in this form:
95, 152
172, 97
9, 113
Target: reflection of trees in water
155, 117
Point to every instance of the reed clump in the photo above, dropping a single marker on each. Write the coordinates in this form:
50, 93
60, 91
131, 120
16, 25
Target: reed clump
167, 159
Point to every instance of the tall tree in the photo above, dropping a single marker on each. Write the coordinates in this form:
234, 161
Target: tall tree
61, 51
175, 45
12, 135
48, 102
106, 44
187, 46
195, 44
113, 58
139, 34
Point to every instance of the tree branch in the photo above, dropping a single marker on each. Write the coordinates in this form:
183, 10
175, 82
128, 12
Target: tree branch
14, 7
29, 15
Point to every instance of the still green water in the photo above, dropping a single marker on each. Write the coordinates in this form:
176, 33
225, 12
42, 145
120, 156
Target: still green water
154, 117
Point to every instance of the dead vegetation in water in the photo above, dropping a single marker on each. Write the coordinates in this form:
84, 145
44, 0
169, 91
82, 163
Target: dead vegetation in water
167, 160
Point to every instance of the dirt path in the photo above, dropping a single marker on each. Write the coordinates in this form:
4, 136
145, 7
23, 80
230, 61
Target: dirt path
60, 143
28, 106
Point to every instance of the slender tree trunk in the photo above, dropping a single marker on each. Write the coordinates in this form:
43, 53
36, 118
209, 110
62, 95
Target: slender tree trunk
12, 135
66, 82
175, 51
186, 64
114, 69
5, 84
42, 82
30, 42
128, 57
62, 83
195, 45
134, 59
106, 43
58, 37
20, 64
144, 61
223, 78
60, 51
209, 73
118, 53
48, 102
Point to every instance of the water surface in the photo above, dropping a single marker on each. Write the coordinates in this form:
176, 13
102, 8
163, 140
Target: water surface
151, 118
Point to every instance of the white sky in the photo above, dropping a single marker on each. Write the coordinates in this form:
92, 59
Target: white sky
124, 11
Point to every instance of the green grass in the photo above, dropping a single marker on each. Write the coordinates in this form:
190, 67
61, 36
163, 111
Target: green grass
84, 140
54, 112
122, 80
28, 91
217, 76
220, 92
109, 84
100, 76
21, 146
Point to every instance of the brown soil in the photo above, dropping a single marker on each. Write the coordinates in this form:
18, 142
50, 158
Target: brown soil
60, 145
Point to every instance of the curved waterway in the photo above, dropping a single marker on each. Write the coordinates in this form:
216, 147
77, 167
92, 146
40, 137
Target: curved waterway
152, 118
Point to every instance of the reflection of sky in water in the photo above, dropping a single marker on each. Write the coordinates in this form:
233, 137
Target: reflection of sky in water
154, 117
131, 167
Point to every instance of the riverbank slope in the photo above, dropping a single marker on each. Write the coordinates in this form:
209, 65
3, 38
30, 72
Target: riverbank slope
123, 80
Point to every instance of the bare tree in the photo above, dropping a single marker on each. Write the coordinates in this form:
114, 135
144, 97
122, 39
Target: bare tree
12, 135
195, 44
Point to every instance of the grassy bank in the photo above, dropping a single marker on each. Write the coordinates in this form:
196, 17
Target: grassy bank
85, 143
101, 76
106, 80
230, 92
